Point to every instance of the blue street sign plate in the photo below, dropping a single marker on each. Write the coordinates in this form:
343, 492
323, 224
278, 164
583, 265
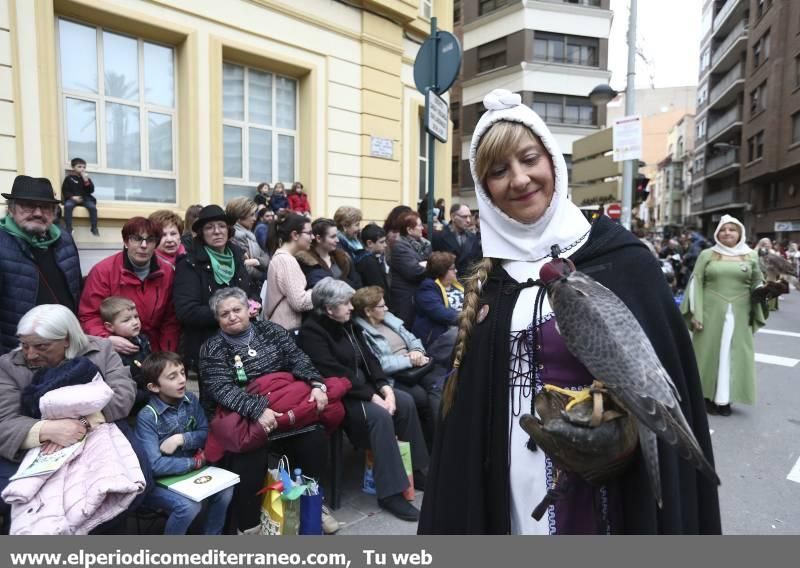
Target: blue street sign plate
449, 62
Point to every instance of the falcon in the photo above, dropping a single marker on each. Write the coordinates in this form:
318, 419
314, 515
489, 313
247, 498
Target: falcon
603, 334
774, 266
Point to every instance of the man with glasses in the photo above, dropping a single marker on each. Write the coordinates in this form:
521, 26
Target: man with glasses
457, 238
39, 263
135, 273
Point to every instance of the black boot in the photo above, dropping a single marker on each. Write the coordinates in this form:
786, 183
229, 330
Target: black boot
724, 409
399, 507
711, 408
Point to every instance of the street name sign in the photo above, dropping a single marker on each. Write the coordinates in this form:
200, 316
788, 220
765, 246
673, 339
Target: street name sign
437, 116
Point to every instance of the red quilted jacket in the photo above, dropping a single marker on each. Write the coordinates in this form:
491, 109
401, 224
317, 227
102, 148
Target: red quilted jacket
114, 276
231, 432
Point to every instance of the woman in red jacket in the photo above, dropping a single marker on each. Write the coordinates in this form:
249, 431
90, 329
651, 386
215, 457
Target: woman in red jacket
298, 200
135, 273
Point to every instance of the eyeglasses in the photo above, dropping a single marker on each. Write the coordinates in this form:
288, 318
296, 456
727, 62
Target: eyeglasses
220, 226
139, 239
467, 216
29, 206
382, 307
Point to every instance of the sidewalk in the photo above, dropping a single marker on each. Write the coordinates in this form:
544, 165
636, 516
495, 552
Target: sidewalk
360, 512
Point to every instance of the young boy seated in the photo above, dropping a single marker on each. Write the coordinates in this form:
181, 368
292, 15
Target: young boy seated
372, 265
173, 430
120, 318
77, 191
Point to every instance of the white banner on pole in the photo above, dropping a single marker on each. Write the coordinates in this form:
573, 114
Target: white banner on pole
627, 138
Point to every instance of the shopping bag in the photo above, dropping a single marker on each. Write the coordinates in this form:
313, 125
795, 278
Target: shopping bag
280, 508
311, 512
291, 515
405, 454
272, 510
368, 485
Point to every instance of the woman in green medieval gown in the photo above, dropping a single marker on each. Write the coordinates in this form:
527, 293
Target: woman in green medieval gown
723, 319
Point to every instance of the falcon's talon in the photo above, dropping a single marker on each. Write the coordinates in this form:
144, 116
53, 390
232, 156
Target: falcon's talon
576, 396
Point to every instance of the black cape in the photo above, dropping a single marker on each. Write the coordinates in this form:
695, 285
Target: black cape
468, 488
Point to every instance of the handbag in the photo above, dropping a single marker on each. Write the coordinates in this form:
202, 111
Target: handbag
412, 376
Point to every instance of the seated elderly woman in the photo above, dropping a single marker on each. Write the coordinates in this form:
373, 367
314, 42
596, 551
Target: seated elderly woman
438, 302
401, 355
50, 338
377, 415
239, 353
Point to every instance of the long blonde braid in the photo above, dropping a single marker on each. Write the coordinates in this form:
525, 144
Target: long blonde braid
472, 296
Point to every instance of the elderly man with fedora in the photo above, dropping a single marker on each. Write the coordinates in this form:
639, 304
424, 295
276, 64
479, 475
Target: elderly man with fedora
39, 263
212, 263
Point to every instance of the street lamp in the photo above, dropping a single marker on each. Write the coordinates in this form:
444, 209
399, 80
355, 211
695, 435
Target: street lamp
602, 94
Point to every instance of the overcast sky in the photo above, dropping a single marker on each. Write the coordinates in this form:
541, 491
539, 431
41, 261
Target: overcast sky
668, 35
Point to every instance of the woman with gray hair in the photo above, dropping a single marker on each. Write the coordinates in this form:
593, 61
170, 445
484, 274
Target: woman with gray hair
242, 211
241, 352
376, 414
49, 336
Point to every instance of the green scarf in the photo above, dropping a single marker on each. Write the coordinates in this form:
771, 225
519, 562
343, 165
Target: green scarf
222, 264
10, 226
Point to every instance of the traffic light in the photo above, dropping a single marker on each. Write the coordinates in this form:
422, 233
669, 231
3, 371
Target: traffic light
640, 185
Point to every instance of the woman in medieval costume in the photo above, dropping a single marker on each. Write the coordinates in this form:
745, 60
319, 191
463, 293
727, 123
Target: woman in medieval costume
486, 476
723, 319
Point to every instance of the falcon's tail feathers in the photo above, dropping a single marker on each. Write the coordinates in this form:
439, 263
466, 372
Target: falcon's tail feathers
648, 443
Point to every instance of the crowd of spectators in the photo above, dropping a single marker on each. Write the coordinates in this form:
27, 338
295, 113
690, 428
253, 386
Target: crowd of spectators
229, 296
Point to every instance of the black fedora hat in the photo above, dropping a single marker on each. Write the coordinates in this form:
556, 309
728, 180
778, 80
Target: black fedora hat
207, 214
27, 188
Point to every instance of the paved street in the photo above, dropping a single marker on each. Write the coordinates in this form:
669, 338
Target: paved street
756, 447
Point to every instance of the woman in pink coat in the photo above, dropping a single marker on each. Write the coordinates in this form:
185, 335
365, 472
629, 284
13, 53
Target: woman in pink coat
49, 335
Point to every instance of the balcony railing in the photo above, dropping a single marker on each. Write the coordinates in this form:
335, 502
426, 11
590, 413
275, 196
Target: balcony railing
733, 115
719, 198
726, 10
736, 33
730, 77
718, 162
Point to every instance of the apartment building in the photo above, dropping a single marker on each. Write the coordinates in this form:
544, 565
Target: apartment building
551, 52
720, 113
747, 161
181, 102
770, 142
670, 187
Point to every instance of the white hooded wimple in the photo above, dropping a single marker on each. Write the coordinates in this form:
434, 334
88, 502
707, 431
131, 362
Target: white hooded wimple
562, 223
741, 247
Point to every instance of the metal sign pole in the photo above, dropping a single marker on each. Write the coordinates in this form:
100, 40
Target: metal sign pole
630, 98
431, 140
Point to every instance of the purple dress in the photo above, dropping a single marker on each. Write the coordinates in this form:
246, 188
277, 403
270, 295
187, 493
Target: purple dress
584, 509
